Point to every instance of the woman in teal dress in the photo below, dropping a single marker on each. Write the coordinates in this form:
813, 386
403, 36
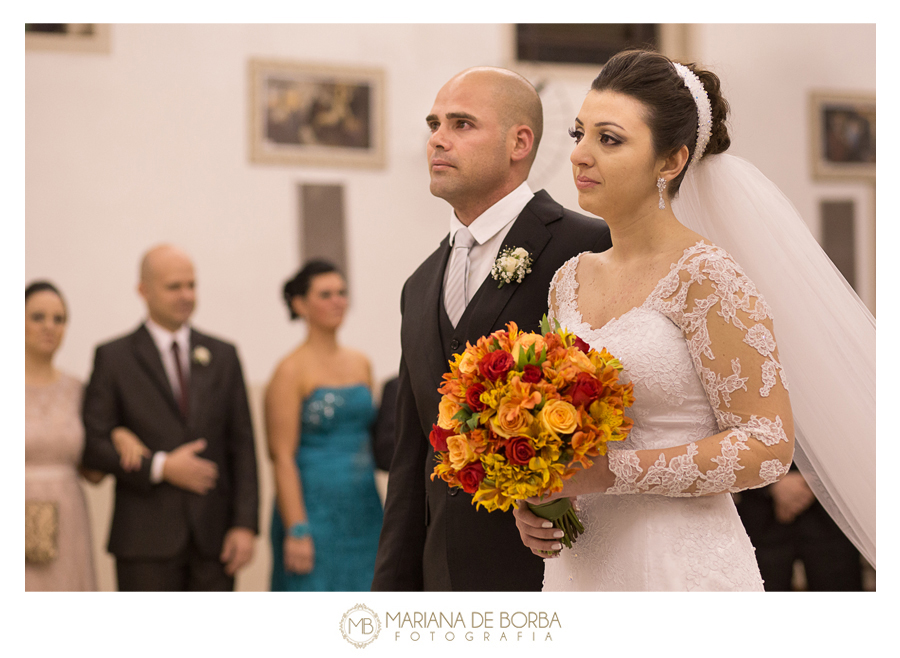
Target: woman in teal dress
319, 412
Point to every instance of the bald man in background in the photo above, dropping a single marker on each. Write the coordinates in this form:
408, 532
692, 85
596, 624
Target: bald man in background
186, 511
485, 125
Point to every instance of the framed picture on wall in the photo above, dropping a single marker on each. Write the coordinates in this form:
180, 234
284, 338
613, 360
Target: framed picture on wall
316, 115
71, 37
843, 135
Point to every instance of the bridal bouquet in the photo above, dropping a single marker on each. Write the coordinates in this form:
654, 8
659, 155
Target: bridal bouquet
522, 412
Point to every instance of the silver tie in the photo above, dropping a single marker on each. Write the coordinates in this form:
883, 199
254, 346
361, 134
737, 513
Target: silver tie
456, 295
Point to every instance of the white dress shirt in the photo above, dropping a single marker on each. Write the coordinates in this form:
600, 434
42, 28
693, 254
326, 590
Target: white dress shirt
489, 230
163, 338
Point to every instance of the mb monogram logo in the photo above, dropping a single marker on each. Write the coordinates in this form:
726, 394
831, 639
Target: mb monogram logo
360, 626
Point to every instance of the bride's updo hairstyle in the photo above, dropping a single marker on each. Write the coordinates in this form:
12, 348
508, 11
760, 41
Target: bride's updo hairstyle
671, 116
300, 284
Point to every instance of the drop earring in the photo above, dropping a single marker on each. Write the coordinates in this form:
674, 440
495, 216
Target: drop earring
661, 185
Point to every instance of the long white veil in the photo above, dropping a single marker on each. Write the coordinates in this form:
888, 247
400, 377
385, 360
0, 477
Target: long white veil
825, 334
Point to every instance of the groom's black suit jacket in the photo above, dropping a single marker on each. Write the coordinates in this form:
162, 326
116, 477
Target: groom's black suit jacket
433, 538
129, 388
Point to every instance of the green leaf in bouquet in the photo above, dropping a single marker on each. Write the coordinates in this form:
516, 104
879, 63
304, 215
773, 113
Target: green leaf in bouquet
529, 355
521, 361
464, 413
545, 325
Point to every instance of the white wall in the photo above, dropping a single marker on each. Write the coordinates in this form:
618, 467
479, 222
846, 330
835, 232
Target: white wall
149, 143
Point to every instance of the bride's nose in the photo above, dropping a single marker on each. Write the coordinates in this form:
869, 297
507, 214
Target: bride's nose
581, 155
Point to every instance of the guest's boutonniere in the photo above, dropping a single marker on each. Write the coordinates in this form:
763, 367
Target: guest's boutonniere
512, 264
201, 355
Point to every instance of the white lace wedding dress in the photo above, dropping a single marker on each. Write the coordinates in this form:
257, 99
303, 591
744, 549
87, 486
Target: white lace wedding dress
709, 391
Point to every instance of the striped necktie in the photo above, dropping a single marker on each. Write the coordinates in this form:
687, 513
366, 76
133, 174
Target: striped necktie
456, 294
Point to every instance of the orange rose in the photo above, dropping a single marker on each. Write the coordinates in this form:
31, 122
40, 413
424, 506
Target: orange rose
524, 341
459, 451
559, 417
511, 419
447, 409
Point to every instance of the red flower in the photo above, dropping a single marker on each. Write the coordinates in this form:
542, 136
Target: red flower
585, 390
580, 344
471, 476
496, 364
519, 451
438, 438
473, 394
531, 374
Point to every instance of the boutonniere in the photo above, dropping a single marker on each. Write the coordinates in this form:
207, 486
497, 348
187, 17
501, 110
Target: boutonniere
201, 355
512, 264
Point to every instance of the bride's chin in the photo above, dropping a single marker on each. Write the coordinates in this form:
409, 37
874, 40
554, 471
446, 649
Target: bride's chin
588, 204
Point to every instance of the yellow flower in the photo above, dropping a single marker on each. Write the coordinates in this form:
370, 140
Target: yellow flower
491, 397
559, 417
605, 414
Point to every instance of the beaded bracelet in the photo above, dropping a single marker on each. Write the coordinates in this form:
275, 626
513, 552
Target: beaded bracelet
299, 530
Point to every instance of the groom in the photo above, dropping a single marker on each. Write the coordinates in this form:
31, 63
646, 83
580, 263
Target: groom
485, 125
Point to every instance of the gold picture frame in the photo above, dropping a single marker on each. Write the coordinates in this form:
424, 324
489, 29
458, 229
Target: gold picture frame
316, 115
843, 135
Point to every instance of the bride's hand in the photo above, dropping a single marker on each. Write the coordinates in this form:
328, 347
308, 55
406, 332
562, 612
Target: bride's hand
536, 533
130, 448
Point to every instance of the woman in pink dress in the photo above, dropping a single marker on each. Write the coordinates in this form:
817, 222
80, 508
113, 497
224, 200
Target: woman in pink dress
54, 439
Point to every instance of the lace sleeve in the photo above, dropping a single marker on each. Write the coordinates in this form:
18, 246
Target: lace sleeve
728, 329
561, 300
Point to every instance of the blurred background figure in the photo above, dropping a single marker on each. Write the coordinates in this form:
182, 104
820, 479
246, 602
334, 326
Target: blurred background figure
57, 532
787, 525
384, 434
386, 425
319, 413
186, 507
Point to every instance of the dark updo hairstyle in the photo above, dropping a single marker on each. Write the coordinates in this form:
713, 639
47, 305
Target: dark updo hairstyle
41, 286
651, 79
299, 285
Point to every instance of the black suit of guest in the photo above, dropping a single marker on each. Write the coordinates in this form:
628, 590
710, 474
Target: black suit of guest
129, 388
168, 537
433, 537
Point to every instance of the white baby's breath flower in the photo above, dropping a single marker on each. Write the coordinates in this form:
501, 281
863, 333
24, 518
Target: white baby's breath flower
512, 264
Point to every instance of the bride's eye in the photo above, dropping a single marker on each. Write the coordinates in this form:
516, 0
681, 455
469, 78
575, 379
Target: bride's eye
576, 134
609, 139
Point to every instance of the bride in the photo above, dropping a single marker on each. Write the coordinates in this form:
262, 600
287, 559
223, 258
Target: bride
698, 339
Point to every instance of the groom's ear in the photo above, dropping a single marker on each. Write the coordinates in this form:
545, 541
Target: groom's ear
522, 139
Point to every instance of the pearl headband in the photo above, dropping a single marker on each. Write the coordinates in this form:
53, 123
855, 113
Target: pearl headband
704, 110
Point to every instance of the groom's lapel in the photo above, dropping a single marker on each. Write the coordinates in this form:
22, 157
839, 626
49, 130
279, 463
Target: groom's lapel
148, 357
528, 232
423, 313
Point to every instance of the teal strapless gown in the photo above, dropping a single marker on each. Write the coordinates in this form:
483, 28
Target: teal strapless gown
337, 473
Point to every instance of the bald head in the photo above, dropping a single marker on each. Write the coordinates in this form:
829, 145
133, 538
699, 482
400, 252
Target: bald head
161, 258
516, 101
167, 286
